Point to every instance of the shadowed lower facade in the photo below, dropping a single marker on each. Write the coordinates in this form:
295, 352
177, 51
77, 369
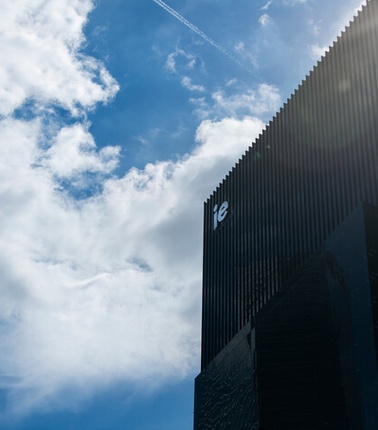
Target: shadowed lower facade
290, 266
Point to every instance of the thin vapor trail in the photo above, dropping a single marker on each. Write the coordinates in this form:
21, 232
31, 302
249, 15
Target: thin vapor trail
200, 33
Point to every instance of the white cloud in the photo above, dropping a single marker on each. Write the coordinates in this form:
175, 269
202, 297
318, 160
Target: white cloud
40, 42
264, 19
108, 289
251, 102
105, 289
201, 107
179, 60
266, 6
186, 82
170, 63
263, 102
74, 152
231, 82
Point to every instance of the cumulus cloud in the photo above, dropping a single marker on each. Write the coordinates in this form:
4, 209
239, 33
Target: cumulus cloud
73, 152
40, 42
107, 288
316, 51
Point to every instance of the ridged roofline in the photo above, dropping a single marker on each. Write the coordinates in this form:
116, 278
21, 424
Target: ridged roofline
308, 76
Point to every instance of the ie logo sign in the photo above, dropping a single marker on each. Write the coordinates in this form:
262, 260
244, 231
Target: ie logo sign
219, 215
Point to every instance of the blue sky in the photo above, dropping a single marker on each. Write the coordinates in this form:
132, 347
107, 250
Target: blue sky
117, 120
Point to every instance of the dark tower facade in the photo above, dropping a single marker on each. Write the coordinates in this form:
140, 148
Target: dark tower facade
290, 265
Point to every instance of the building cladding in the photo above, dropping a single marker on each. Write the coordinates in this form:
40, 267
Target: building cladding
290, 265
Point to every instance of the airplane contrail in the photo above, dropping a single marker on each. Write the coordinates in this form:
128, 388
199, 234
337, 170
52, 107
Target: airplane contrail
200, 33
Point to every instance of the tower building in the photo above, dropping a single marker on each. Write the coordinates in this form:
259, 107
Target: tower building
290, 265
